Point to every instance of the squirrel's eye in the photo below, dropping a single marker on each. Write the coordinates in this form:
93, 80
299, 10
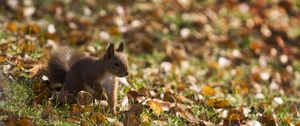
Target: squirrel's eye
117, 64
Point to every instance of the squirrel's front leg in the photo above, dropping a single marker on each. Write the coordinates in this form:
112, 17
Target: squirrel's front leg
111, 92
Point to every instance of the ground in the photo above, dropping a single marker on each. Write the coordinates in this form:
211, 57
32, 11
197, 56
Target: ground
231, 62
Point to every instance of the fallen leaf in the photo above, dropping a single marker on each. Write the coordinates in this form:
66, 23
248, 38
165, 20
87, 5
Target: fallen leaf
16, 121
49, 112
168, 96
84, 98
75, 109
131, 115
184, 113
73, 119
218, 103
97, 118
267, 119
12, 26
31, 29
155, 106
132, 120
208, 91
42, 96
35, 70
234, 117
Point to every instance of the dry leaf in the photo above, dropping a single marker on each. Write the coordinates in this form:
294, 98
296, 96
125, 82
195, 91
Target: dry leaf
97, 118
15, 121
131, 115
49, 113
155, 106
31, 29
218, 103
268, 120
84, 98
132, 120
12, 26
73, 119
184, 113
168, 96
234, 117
75, 109
35, 70
208, 91
41, 96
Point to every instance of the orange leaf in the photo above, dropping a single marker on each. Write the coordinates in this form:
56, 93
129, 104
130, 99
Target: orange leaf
155, 106
32, 29
15, 121
2, 59
97, 118
213, 64
12, 26
208, 91
75, 109
218, 103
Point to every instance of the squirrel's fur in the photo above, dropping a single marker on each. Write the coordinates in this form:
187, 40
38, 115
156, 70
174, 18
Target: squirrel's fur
80, 73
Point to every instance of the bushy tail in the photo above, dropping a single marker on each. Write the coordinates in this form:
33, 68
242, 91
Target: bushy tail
60, 62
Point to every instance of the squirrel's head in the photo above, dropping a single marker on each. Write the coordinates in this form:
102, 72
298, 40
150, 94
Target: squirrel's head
116, 60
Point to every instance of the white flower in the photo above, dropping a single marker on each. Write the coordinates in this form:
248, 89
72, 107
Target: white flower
278, 100
224, 62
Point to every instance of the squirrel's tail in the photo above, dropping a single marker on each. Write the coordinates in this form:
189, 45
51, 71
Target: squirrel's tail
60, 62
58, 65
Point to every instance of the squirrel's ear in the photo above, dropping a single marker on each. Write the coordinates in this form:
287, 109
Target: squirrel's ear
121, 47
110, 50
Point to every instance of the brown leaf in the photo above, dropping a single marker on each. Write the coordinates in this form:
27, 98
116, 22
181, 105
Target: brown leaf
168, 96
134, 95
78, 37
183, 99
40, 97
31, 29
268, 120
84, 123
73, 119
184, 113
155, 106
97, 118
49, 113
84, 98
131, 115
27, 46
132, 120
35, 70
234, 117
218, 103
15, 121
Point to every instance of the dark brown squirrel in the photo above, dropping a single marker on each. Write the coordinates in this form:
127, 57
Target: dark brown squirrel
81, 73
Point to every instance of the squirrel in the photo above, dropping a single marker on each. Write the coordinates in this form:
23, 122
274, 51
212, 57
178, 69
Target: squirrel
82, 73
